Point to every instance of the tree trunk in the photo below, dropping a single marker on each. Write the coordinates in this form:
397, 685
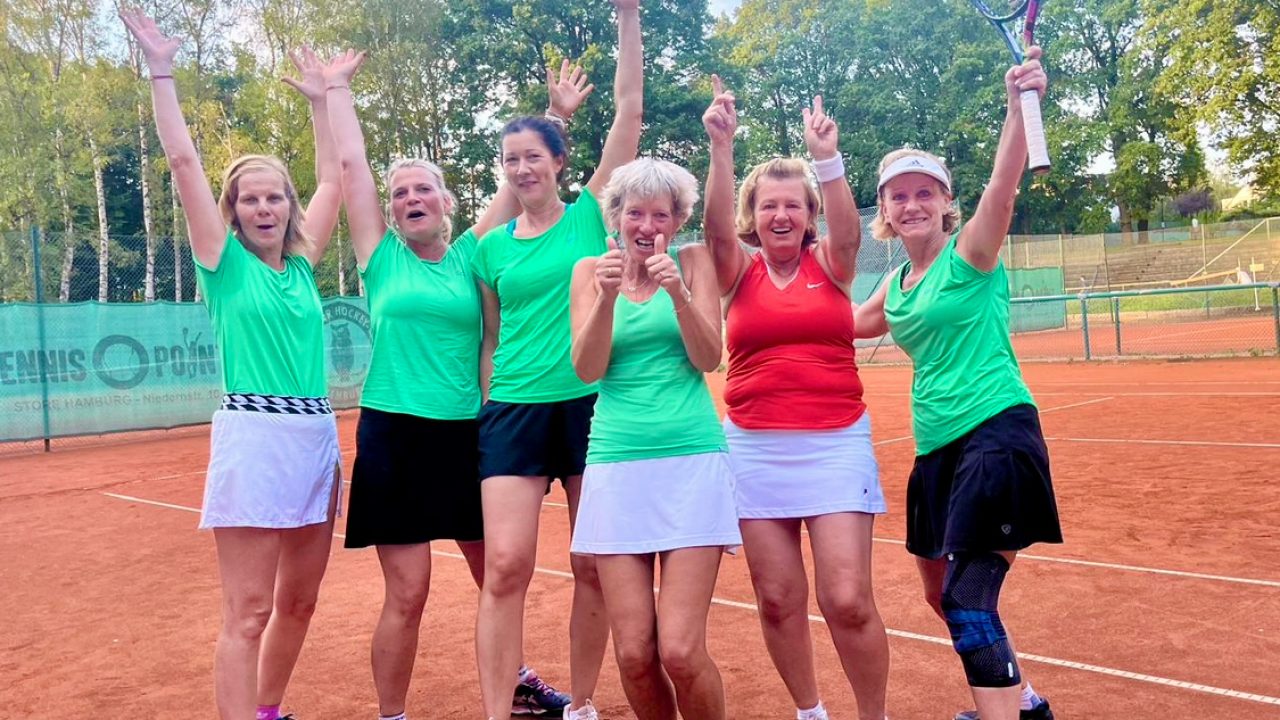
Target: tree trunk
144, 165
68, 222
1126, 221
104, 236
342, 272
177, 242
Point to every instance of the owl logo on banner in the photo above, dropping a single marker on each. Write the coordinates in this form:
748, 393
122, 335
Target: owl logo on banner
348, 348
341, 352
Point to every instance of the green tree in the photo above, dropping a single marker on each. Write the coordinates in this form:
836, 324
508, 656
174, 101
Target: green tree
1223, 66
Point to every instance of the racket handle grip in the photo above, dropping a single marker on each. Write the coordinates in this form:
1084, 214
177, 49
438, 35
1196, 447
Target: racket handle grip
1033, 125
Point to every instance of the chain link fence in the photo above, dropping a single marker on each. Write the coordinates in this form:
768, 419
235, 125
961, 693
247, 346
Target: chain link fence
73, 268
73, 367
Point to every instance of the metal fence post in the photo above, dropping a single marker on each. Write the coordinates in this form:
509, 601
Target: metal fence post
41, 366
1084, 324
1115, 318
1275, 314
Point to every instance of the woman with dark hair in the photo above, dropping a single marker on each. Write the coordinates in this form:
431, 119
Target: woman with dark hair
272, 487
980, 489
534, 426
414, 480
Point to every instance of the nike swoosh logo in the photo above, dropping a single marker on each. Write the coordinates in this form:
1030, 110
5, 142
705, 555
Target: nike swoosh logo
814, 285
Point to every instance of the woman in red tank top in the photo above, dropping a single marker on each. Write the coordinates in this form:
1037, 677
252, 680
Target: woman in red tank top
799, 436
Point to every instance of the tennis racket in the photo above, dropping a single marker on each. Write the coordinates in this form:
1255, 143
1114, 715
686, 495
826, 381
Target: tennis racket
1005, 18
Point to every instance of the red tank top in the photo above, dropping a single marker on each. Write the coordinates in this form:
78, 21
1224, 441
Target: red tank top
791, 357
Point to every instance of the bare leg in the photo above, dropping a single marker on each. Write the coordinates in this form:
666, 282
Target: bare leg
842, 570
511, 509
688, 581
627, 582
304, 556
782, 592
247, 560
407, 572
588, 625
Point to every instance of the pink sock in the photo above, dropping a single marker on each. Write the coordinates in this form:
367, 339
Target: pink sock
268, 712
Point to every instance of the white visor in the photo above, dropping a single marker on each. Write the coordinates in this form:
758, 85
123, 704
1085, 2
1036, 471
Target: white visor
914, 164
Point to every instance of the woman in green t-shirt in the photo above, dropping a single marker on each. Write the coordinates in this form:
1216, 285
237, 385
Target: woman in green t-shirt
657, 486
533, 428
415, 476
980, 490
272, 486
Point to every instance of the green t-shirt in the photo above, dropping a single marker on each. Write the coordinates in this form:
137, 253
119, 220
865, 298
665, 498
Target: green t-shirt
426, 328
531, 277
653, 402
954, 324
269, 324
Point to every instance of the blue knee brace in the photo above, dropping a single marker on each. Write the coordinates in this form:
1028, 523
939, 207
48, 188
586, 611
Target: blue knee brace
970, 597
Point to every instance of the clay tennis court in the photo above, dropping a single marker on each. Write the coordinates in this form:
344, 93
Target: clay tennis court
1163, 603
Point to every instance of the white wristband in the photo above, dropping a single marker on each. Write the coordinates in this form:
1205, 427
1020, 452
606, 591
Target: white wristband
830, 169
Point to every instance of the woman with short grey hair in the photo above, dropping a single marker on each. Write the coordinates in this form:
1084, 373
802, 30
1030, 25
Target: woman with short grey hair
657, 486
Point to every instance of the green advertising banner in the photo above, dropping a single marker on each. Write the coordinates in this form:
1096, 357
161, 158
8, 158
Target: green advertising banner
89, 368
1036, 282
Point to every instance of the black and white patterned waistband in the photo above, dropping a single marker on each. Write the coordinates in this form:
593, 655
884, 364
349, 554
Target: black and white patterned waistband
278, 404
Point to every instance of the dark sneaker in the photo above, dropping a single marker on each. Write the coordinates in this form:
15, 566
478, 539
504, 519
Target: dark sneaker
535, 697
1039, 712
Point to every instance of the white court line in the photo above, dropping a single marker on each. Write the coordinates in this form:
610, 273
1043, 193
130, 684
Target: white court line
1046, 410
1043, 659
1155, 384
1071, 664
1088, 563
1220, 394
1223, 394
1190, 443
176, 476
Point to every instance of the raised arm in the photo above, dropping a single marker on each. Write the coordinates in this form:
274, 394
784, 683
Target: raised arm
868, 318
492, 314
623, 141
838, 251
981, 238
727, 254
359, 190
321, 215
696, 298
205, 226
565, 95
596, 283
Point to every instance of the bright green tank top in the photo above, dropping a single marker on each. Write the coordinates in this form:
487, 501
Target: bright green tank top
954, 324
653, 402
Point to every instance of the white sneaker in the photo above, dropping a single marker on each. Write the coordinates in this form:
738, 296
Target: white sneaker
586, 712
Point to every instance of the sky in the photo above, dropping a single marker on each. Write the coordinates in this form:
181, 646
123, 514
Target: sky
723, 6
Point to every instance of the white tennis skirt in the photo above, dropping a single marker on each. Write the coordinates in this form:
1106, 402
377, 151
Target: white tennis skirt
804, 473
649, 506
270, 470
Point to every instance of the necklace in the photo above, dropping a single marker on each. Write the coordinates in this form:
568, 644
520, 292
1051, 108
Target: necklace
778, 274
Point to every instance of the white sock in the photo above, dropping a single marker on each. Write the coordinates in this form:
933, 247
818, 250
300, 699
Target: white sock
1029, 697
817, 712
523, 673
392, 717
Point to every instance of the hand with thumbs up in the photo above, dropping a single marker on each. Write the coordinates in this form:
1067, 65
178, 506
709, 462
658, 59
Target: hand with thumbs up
609, 270
662, 268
